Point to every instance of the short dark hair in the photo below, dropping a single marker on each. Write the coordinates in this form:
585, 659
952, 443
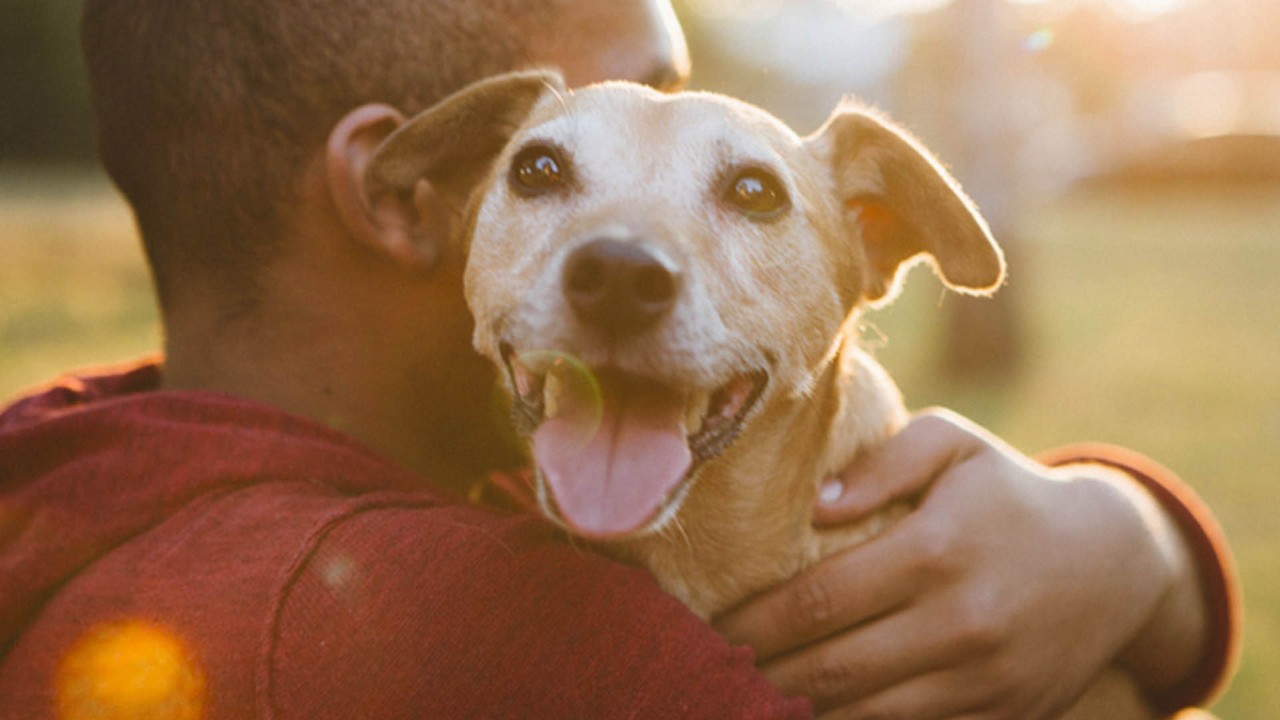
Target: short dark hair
206, 111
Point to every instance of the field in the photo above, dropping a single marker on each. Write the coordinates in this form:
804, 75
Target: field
73, 287
1152, 320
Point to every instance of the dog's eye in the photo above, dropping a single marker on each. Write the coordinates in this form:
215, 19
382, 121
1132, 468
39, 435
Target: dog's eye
538, 169
757, 194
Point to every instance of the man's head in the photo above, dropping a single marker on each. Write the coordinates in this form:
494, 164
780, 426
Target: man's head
208, 112
237, 130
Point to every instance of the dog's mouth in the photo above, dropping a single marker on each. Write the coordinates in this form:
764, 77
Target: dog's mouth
615, 452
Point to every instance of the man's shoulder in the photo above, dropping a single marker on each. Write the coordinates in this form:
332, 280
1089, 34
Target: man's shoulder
210, 574
506, 617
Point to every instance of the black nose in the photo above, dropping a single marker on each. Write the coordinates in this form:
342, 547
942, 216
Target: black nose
619, 287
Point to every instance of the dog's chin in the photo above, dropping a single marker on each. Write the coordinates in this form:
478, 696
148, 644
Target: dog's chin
615, 453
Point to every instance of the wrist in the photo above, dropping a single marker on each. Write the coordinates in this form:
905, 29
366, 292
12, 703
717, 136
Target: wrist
1168, 647
1215, 627
1153, 591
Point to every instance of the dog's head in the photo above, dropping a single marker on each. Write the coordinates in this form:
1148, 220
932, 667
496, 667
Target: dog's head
651, 270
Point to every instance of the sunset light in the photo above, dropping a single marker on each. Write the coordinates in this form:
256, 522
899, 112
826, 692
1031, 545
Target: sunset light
617, 359
1144, 9
1131, 9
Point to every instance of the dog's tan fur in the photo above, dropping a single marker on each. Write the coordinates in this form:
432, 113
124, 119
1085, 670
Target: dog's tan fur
783, 295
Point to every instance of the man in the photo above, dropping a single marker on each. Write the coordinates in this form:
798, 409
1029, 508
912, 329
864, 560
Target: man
274, 524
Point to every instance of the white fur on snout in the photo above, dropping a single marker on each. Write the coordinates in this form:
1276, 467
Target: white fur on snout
651, 170
692, 347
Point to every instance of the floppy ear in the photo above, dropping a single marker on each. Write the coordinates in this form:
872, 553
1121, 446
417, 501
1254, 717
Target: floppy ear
900, 203
452, 144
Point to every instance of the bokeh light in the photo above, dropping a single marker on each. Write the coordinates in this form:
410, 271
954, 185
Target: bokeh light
130, 671
571, 391
1207, 104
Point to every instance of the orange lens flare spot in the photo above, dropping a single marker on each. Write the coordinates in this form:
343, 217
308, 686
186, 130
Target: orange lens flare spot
130, 670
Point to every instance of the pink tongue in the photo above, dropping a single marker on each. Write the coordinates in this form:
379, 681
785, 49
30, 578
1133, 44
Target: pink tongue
617, 481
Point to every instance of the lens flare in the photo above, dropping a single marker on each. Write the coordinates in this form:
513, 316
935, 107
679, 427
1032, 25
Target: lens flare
1038, 41
130, 670
570, 390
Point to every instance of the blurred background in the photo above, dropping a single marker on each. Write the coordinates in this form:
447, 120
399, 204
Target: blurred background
1126, 153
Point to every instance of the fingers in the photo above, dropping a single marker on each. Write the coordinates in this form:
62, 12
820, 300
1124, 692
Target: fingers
929, 697
968, 638
950, 695
904, 467
856, 586
852, 667
839, 592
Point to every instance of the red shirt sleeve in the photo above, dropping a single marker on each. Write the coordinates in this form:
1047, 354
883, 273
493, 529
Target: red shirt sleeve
449, 612
1219, 581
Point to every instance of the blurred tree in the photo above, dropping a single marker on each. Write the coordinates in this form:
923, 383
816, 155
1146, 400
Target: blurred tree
44, 115
964, 92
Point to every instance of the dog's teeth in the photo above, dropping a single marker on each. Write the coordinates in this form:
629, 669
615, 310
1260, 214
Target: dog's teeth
695, 411
525, 380
551, 389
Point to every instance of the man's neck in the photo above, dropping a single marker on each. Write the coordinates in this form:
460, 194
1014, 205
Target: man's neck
428, 410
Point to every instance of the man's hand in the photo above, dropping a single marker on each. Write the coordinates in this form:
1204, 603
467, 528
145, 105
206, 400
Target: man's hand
1002, 595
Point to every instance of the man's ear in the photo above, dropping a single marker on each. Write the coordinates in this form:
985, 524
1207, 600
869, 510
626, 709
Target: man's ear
399, 184
410, 229
900, 203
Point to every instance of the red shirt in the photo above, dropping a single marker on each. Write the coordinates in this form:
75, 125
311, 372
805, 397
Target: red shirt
266, 566
303, 576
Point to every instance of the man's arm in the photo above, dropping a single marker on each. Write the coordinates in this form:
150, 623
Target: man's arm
956, 608
292, 599
1203, 607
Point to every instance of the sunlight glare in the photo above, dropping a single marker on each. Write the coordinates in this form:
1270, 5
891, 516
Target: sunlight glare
1132, 10
878, 9
570, 391
868, 10
130, 671
1147, 9
1038, 41
735, 8
1207, 104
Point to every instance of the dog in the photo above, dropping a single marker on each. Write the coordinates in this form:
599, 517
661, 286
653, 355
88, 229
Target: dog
671, 287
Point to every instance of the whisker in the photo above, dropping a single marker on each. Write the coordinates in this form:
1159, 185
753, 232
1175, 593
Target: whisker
678, 526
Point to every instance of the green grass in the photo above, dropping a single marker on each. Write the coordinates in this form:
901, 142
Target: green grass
1152, 320
73, 287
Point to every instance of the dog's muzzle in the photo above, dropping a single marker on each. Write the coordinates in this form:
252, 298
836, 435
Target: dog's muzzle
617, 453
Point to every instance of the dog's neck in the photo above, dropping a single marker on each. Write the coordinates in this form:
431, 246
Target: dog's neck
755, 503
